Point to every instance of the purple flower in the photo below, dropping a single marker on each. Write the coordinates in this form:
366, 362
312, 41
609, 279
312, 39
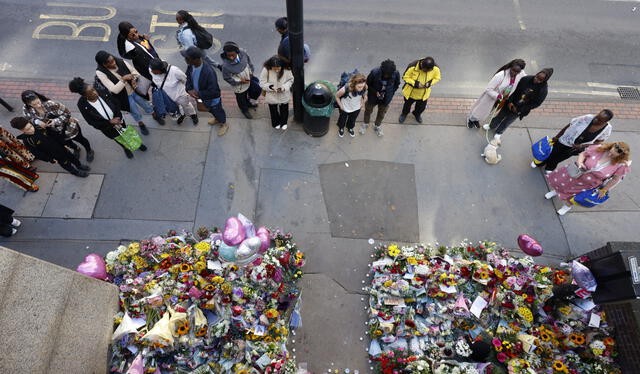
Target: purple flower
277, 276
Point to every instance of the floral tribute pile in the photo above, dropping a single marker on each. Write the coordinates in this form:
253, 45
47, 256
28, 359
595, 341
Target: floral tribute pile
477, 309
184, 309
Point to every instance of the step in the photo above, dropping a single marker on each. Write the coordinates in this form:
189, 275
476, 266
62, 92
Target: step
53, 320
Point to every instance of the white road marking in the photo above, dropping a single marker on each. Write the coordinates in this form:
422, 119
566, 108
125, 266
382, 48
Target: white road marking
602, 85
516, 5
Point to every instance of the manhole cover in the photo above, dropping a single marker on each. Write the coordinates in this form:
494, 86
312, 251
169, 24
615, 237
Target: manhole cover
629, 93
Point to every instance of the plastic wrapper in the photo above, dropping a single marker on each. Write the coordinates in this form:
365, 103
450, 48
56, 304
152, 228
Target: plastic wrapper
583, 276
127, 326
161, 332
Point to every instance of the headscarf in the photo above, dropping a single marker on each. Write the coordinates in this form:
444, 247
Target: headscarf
548, 72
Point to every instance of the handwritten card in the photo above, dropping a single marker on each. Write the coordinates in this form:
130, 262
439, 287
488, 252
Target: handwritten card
478, 306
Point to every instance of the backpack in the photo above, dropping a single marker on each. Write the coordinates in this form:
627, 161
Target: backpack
204, 39
344, 79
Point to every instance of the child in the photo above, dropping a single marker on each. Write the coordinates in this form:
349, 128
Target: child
276, 82
350, 100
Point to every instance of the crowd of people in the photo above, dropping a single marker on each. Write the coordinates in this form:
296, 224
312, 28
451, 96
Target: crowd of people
139, 82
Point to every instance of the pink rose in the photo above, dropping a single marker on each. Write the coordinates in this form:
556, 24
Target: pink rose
502, 357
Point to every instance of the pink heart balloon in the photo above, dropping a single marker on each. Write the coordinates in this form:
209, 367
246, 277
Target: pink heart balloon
233, 233
93, 266
529, 245
265, 238
249, 229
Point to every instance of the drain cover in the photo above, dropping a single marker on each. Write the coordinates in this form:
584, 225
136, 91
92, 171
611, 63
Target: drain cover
629, 93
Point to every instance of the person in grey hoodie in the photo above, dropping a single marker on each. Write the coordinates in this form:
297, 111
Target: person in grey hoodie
237, 70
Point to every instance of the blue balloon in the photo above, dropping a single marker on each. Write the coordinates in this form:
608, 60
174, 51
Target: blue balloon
227, 252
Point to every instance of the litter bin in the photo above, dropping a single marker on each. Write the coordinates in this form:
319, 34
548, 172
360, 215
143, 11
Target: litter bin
318, 101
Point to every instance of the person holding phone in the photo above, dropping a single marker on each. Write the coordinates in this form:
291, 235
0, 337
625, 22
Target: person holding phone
276, 81
419, 77
56, 119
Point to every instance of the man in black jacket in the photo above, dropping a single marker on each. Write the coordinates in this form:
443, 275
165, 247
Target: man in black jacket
46, 148
382, 84
528, 95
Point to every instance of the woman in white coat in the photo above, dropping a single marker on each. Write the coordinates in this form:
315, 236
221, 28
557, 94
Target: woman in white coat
172, 81
498, 90
276, 83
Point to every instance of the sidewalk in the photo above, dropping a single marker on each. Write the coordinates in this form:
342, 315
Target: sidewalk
422, 183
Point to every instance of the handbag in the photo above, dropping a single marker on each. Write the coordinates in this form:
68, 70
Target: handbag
129, 138
574, 171
541, 150
254, 88
589, 198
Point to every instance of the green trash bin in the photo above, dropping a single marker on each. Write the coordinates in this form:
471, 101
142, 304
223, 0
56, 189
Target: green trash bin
318, 100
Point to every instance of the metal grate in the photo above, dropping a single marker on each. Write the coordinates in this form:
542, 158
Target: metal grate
629, 93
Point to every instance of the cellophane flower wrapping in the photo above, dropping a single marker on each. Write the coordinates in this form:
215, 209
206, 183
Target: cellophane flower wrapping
417, 295
202, 314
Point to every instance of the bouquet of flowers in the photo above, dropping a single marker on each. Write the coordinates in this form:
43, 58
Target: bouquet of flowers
435, 302
188, 309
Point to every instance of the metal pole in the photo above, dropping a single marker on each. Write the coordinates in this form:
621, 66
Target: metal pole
296, 43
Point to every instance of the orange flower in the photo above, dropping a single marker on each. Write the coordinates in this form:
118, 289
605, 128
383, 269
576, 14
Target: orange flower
183, 328
202, 331
608, 341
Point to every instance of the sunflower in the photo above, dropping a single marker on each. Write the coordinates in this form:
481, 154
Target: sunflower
183, 328
209, 287
184, 268
560, 366
545, 336
202, 331
217, 279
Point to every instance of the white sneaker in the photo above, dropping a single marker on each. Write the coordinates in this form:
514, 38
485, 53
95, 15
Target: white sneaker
486, 126
497, 137
16, 223
550, 195
13, 232
547, 172
562, 211
284, 127
278, 127
533, 165
378, 130
363, 128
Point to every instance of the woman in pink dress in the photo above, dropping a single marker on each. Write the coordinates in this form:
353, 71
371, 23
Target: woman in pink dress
600, 165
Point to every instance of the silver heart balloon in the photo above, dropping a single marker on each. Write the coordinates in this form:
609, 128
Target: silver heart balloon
248, 247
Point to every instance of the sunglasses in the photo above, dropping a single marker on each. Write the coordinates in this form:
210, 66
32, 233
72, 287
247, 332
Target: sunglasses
30, 96
618, 148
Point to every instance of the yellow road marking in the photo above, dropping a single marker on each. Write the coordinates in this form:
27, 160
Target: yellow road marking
154, 23
75, 31
198, 14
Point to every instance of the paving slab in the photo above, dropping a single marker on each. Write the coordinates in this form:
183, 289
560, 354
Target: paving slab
73, 197
161, 183
371, 199
587, 231
28, 204
292, 201
66, 253
92, 229
332, 333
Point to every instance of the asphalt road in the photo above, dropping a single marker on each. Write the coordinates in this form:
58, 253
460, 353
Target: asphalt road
592, 44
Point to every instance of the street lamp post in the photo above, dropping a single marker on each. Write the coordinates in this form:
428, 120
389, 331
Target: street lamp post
296, 44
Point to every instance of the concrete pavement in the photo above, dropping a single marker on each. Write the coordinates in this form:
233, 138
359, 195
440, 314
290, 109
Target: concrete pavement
315, 188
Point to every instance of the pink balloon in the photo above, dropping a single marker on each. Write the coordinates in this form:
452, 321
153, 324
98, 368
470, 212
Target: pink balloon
265, 239
233, 233
249, 229
93, 266
529, 245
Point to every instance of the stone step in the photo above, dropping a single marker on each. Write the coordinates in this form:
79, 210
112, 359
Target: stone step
53, 320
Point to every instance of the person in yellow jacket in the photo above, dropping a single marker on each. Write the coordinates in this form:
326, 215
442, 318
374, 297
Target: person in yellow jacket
419, 77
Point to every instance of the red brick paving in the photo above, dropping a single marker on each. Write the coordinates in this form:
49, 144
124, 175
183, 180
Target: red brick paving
10, 90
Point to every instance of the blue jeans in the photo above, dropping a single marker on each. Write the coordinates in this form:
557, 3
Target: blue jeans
134, 99
162, 103
215, 108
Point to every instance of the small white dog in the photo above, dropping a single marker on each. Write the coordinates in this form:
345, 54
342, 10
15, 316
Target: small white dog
491, 155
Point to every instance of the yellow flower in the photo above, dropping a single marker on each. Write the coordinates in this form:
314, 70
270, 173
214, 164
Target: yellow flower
134, 248
203, 246
217, 279
545, 269
393, 250
272, 313
412, 260
226, 288
200, 266
388, 283
560, 366
525, 313
566, 310
185, 267
164, 255
377, 332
